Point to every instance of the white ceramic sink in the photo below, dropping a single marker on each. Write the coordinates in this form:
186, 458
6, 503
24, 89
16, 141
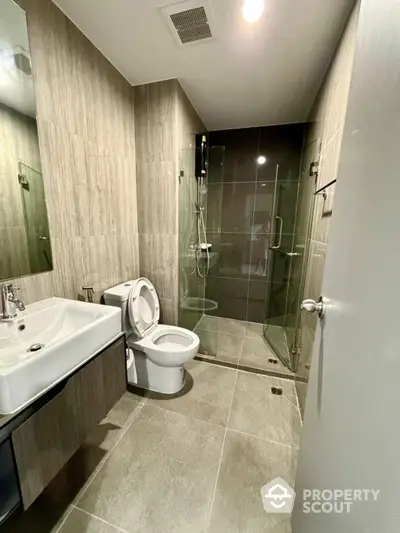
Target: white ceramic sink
71, 333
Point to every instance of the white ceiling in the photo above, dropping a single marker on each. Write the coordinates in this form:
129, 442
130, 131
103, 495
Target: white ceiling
264, 73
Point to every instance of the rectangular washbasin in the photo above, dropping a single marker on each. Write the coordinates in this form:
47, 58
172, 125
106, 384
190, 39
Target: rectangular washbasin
65, 333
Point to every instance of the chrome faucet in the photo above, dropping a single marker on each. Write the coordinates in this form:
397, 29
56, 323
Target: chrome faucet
9, 302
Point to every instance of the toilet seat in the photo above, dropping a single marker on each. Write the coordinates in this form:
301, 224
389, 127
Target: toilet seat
143, 307
167, 346
165, 339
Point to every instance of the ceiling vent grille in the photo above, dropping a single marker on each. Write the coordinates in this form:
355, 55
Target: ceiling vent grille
191, 25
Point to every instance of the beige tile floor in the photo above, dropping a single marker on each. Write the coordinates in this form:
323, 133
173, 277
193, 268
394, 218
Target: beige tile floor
191, 464
239, 343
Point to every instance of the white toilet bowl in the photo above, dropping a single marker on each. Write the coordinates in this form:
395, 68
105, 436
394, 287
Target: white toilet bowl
159, 351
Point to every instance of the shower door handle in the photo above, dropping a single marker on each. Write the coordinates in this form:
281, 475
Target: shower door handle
280, 219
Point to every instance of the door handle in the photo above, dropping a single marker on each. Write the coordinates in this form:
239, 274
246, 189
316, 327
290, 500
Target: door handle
280, 233
311, 306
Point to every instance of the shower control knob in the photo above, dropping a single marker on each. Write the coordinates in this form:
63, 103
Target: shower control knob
311, 306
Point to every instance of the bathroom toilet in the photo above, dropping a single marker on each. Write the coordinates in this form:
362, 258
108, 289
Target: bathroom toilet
157, 352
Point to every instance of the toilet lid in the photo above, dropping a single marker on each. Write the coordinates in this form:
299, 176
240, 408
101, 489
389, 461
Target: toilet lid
143, 307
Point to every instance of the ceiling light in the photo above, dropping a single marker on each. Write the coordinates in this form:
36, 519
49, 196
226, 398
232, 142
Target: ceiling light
252, 10
261, 159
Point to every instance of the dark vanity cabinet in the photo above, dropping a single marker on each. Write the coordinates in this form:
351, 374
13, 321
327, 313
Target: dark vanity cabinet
45, 441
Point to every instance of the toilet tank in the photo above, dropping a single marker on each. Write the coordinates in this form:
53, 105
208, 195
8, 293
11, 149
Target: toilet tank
118, 297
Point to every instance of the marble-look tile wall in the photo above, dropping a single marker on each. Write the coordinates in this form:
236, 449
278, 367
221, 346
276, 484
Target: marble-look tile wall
325, 136
19, 142
165, 123
87, 142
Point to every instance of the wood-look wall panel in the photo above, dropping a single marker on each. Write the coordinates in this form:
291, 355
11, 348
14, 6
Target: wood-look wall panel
158, 262
156, 202
63, 172
36, 287
165, 123
66, 277
87, 139
169, 311
128, 252
155, 107
96, 98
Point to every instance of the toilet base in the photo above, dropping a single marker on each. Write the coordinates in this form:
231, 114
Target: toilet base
146, 375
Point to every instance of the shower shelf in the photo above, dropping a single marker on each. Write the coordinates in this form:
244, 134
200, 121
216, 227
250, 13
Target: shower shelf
322, 189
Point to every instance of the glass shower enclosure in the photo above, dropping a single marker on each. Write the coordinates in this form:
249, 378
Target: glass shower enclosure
272, 254
280, 268
290, 247
195, 259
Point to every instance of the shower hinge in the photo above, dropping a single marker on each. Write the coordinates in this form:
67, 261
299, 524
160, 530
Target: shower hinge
295, 349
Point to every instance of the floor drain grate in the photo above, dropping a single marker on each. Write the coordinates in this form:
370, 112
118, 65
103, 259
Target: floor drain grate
276, 390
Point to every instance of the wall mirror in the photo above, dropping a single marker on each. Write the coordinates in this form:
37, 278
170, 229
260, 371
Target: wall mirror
24, 228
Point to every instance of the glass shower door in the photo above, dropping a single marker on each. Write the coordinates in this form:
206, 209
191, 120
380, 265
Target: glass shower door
302, 250
280, 269
289, 251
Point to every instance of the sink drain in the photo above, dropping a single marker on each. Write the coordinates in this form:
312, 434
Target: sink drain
35, 347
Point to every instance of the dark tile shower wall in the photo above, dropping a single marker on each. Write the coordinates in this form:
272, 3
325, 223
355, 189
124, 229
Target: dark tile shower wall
240, 215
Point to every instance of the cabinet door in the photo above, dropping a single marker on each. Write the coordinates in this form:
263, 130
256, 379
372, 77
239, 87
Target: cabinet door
114, 373
90, 396
101, 385
46, 441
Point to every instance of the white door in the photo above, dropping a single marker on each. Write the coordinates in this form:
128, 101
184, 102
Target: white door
351, 433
